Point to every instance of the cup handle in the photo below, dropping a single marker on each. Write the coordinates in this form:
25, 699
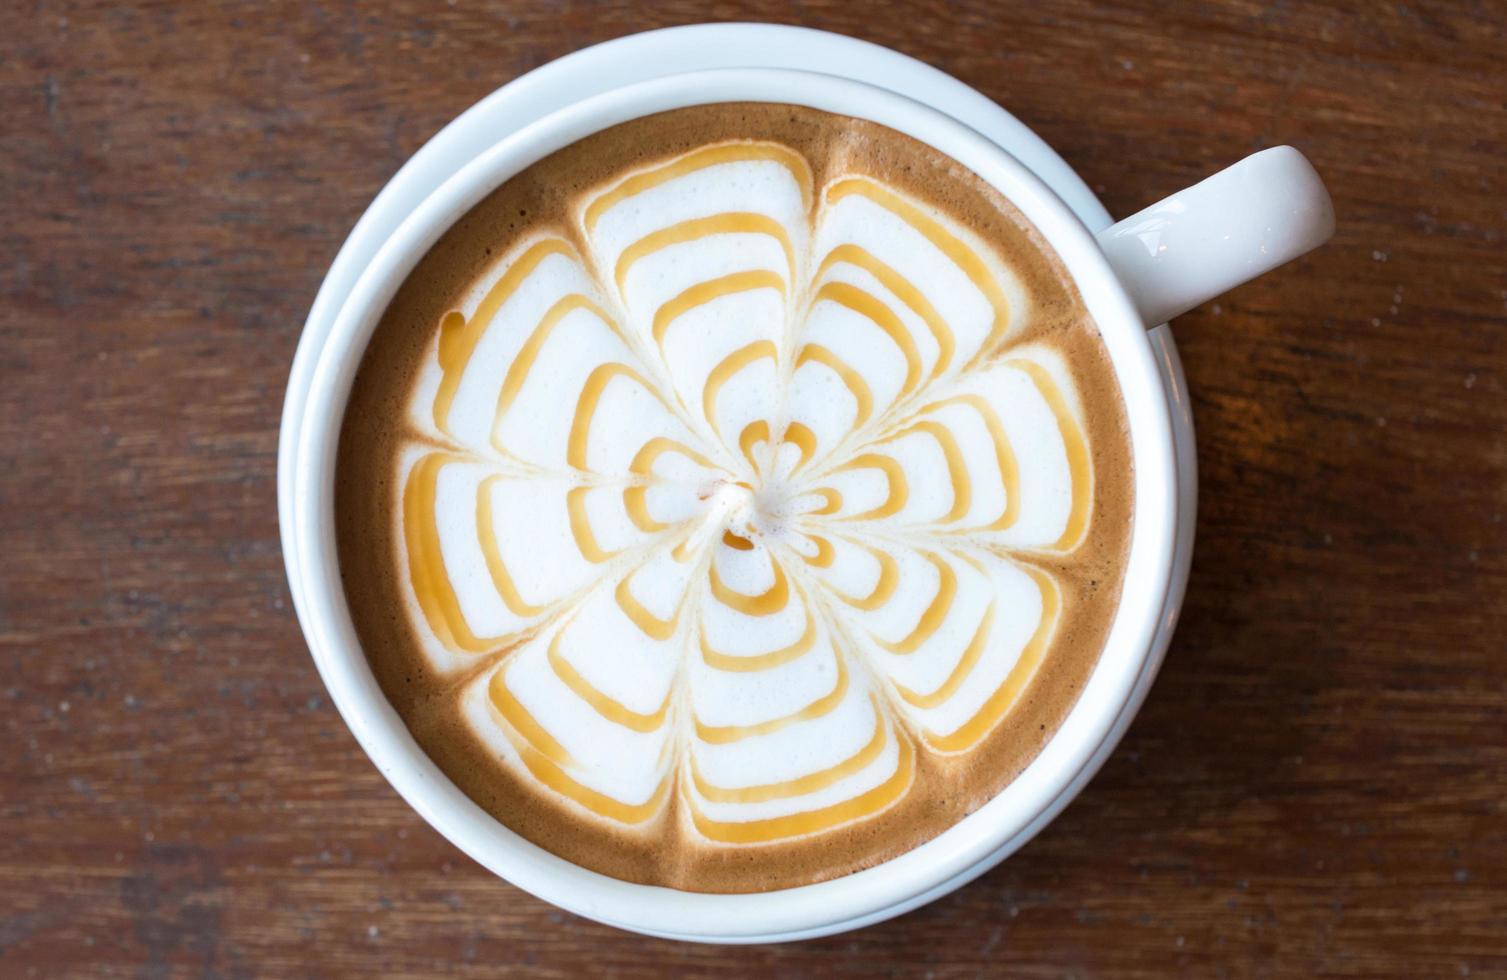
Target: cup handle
1245, 220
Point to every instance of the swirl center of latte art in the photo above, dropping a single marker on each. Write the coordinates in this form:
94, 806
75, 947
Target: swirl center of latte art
738, 499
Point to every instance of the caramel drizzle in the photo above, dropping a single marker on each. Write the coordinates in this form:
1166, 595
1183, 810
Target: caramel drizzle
1004, 457
960, 254
813, 821
580, 527
426, 563
898, 493
884, 583
831, 502
767, 603
935, 613
753, 434
825, 553
957, 470
856, 385
713, 289
819, 708
801, 785
904, 290
709, 156
458, 336
502, 580
522, 721
994, 710
639, 615
614, 711
1076, 445
635, 498
744, 663
540, 752
590, 398
803, 439
547, 761
728, 368
954, 681
873, 309
523, 363
729, 223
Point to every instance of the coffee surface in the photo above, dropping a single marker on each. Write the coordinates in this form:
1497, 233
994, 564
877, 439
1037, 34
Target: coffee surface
735, 499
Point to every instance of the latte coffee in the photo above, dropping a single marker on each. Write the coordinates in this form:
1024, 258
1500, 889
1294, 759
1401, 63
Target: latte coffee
735, 499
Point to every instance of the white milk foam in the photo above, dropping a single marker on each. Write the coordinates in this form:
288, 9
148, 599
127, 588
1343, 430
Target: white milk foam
746, 489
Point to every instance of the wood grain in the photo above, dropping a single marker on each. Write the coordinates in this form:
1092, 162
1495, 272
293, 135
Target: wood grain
1316, 786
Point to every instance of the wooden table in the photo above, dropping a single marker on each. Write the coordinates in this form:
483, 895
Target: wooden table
1316, 785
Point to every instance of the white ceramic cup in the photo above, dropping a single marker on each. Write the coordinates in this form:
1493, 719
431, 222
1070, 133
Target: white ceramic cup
1161, 262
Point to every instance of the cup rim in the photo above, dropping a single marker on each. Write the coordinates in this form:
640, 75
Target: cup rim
967, 847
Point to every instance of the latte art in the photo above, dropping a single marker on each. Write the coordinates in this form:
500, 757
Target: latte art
735, 501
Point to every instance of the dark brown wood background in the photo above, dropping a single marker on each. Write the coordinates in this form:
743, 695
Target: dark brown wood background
1316, 785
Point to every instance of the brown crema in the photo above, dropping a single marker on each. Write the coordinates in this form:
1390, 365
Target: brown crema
667, 849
